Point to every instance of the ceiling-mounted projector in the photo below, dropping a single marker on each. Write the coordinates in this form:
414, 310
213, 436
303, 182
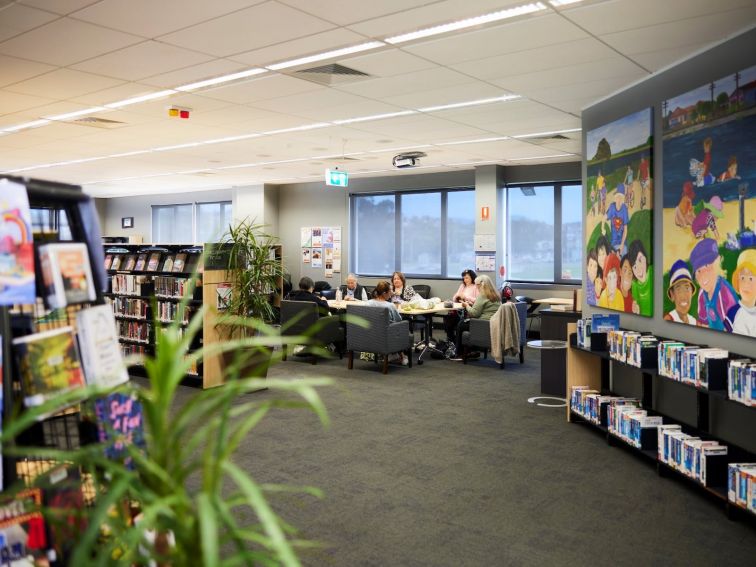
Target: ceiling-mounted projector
408, 159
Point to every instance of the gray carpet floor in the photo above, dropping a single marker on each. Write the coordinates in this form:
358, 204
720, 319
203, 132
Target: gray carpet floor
448, 464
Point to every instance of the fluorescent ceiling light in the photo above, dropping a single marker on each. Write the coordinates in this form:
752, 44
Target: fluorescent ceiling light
399, 149
469, 103
177, 147
375, 117
479, 162
127, 154
551, 133
142, 98
25, 125
221, 79
297, 128
231, 138
477, 141
326, 55
558, 3
76, 113
539, 157
468, 22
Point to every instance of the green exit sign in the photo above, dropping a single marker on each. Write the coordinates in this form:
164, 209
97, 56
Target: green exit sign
336, 178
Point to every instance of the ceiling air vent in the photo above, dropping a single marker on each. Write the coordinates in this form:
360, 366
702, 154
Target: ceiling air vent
96, 122
331, 74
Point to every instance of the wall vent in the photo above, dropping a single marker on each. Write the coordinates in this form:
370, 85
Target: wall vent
96, 122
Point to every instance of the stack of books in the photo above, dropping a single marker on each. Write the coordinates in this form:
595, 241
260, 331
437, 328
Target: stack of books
741, 381
688, 454
741, 485
628, 422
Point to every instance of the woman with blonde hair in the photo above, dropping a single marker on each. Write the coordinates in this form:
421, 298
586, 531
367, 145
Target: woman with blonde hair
486, 304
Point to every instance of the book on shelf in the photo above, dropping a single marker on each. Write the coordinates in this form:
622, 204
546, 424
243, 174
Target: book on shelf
23, 533
116, 263
129, 262
179, 262
120, 425
62, 493
141, 262
48, 364
17, 248
99, 347
604, 323
154, 262
108, 261
66, 274
168, 264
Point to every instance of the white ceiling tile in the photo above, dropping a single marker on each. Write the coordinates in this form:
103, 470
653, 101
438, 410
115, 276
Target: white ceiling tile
14, 102
233, 114
164, 17
17, 18
621, 15
382, 88
197, 104
64, 83
13, 70
388, 63
65, 42
62, 7
261, 88
680, 33
344, 12
297, 47
660, 58
248, 29
142, 60
208, 70
309, 101
512, 37
343, 111
113, 94
428, 15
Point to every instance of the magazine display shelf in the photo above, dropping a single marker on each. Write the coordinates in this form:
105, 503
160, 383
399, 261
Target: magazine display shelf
211, 276
708, 414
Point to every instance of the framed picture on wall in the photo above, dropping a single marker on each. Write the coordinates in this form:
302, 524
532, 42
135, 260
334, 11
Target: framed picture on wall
127, 222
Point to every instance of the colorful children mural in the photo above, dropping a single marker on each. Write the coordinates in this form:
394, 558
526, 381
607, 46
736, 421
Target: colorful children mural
709, 199
619, 217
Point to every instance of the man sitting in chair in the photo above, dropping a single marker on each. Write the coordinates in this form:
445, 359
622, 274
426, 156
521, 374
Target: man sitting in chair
353, 290
305, 293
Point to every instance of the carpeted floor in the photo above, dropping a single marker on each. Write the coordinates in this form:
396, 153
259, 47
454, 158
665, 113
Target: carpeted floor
448, 464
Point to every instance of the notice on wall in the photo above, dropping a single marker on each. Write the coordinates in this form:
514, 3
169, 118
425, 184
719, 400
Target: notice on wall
306, 237
485, 242
485, 262
336, 234
223, 296
306, 255
317, 258
317, 238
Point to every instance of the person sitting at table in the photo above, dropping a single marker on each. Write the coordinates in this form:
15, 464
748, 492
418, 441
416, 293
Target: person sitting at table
486, 304
352, 290
306, 293
382, 299
467, 290
400, 292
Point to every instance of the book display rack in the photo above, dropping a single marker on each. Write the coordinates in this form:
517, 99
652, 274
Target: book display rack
669, 403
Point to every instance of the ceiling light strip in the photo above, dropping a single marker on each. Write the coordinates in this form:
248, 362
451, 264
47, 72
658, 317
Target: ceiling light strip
539, 157
468, 22
464, 104
222, 79
551, 133
476, 141
69, 115
141, 98
25, 125
374, 117
326, 55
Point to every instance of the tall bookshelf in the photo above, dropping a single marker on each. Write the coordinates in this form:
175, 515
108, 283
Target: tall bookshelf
135, 289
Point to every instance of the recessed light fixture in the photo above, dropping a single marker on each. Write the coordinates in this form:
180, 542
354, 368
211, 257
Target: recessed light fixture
221, 79
177, 147
326, 55
76, 113
297, 128
468, 22
551, 133
558, 3
476, 141
375, 117
469, 103
26, 125
539, 157
142, 98
399, 149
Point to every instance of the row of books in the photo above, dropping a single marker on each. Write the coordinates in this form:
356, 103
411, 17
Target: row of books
128, 284
741, 485
130, 349
692, 364
150, 262
597, 323
626, 420
167, 286
129, 307
688, 454
741, 381
169, 311
137, 331
632, 347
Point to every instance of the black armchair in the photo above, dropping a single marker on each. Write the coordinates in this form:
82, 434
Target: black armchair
479, 335
531, 312
422, 290
301, 318
381, 336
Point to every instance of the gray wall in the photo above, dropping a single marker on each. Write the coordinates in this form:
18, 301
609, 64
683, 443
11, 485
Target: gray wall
730, 56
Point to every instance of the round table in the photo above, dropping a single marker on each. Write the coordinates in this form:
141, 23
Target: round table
547, 344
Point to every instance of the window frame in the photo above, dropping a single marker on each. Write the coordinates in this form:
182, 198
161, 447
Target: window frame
195, 212
558, 253
444, 191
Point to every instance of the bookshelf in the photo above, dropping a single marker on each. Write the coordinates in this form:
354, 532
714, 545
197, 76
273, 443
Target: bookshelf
704, 413
153, 280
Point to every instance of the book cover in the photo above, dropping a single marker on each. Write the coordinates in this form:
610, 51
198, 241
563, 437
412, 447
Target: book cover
116, 264
120, 424
99, 347
129, 262
223, 296
141, 262
22, 529
62, 493
66, 274
168, 264
178, 264
604, 323
48, 363
153, 262
108, 261
16, 246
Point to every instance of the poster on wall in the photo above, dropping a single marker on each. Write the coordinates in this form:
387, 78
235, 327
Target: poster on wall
306, 255
619, 216
317, 238
317, 258
709, 198
306, 237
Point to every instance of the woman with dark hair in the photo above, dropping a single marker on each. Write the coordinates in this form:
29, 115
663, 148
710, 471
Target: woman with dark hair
400, 291
381, 299
467, 291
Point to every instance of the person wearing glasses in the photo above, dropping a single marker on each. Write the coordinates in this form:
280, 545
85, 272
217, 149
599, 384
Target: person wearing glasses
400, 292
485, 305
353, 290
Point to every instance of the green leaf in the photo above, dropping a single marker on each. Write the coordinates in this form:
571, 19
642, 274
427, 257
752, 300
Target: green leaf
208, 524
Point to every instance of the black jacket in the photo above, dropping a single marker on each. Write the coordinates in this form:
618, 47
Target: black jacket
302, 295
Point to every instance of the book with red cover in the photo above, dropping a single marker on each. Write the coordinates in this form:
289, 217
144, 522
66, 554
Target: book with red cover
22, 528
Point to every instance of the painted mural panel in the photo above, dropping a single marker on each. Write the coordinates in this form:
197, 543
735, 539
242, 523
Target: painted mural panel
709, 199
619, 215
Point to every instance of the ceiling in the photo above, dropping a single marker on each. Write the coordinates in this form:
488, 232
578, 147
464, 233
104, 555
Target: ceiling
63, 56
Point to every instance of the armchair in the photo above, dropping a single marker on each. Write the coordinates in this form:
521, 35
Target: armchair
479, 335
379, 337
301, 318
422, 290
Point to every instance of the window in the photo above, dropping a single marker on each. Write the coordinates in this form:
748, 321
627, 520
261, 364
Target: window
190, 222
544, 233
434, 231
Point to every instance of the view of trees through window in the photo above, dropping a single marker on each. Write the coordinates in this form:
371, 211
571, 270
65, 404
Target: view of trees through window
189, 223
